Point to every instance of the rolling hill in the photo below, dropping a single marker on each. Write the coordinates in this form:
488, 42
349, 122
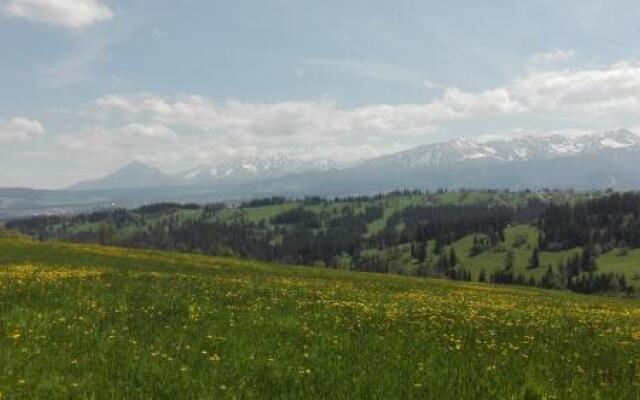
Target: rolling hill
80, 321
383, 244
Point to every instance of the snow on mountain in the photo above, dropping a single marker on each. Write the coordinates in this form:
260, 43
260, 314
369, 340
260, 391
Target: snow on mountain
248, 169
527, 148
595, 160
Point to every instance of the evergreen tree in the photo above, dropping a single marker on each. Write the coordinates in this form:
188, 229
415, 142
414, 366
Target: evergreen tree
573, 265
453, 258
483, 276
443, 263
421, 252
477, 247
622, 281
548, 279
423, 269
588, 262
439, 245
509, 261
534, 261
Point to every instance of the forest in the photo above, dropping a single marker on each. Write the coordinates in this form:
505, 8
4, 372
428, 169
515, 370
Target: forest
403, 232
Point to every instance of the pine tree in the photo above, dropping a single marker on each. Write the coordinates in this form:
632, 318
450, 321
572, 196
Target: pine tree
573, 266
483, 276
421, 252
453, 258
588, 262
547, 280
443, 263
509, 261
423, 269
438, 247
477, 247
622, 281
534, 262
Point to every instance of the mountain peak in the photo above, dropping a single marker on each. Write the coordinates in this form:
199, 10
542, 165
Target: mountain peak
135, 165
135, 174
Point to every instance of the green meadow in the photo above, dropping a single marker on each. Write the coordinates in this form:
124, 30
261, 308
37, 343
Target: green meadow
90, 322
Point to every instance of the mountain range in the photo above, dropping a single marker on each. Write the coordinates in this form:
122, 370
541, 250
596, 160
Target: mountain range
138, 175
583, 162
597, 161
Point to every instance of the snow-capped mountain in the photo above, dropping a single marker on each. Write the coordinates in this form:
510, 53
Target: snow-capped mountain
136, 175
527, 148
589, 161
251, 169
595, 161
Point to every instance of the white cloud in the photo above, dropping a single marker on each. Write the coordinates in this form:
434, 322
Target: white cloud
521, 132
613, 89
19, 129
186, 129
555, 56
73, 14
155, 131
145, 126
490, 102
298, 119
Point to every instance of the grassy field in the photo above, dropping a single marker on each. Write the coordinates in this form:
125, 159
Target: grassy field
266, 213
521, 239
392, 206
93, 322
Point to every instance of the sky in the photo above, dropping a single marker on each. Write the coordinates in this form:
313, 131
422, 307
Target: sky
89, 85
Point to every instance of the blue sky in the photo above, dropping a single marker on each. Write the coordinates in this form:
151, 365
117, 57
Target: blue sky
88, 85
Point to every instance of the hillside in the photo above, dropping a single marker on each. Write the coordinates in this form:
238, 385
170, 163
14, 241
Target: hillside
462, 235
85, 321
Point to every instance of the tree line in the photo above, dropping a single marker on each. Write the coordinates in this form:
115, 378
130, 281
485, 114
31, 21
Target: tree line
338, 233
